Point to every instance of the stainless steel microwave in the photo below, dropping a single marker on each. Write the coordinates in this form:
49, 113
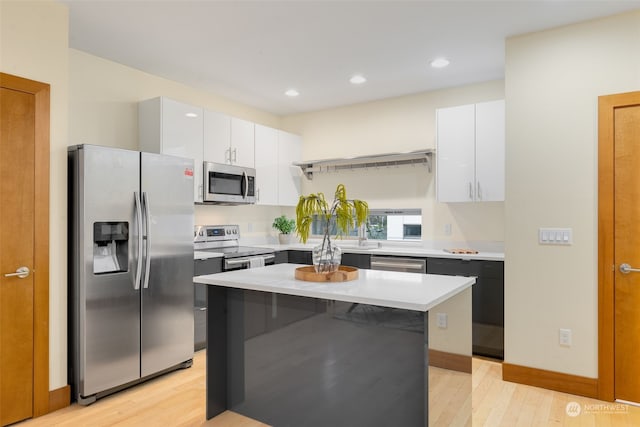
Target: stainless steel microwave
229, 184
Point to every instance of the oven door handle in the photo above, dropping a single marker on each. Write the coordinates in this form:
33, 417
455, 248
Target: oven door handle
247, 260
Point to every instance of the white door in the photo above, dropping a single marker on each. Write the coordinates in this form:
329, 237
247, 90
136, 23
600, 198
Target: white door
455, 153
242, 143
289, 176
182, 135
217, 137
266, 165
490, 143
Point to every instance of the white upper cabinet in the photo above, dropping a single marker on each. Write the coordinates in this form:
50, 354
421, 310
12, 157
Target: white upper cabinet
228, 140
289, 176
277, 180
470, 152
266, 157
171, 127
217, 137
490, 142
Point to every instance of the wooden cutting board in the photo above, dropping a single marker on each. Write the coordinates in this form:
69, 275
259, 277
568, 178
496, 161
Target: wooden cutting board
461, 251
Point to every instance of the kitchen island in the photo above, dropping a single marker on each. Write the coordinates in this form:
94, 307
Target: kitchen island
294, 353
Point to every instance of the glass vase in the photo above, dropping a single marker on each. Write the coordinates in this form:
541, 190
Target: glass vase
326, 257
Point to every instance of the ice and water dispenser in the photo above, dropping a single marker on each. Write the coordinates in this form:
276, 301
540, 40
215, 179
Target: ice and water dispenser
110, 247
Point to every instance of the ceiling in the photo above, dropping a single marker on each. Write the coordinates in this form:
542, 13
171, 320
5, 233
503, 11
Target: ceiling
253, 51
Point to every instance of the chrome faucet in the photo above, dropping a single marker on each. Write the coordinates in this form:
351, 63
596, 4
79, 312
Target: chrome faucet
362, 234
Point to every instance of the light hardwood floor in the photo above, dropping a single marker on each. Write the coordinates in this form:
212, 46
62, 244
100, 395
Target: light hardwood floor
178, 399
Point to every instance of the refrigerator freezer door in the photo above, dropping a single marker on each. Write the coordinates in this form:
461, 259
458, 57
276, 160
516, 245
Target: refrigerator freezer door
167, 300
106, 306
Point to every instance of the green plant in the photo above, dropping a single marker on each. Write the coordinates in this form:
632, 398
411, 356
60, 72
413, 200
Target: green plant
345, 212
284, 225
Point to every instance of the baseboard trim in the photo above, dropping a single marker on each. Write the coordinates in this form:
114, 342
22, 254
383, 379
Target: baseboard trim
59, 398
451, 361
566, 383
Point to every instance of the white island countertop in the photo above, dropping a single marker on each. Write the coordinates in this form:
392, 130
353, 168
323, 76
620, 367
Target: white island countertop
410, 291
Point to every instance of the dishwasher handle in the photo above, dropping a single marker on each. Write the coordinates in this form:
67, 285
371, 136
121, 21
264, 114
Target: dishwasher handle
398, 264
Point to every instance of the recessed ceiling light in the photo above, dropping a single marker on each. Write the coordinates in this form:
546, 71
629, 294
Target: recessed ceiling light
191, 115
357, 79
292, 93
439, 62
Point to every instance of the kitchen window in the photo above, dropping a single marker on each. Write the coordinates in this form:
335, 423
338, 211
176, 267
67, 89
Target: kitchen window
383, 224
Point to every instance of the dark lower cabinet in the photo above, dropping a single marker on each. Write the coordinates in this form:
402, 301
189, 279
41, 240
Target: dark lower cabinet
356, 260
487, 300
282, 257
202, 266
300, 257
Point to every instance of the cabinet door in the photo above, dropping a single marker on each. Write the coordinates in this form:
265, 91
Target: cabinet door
242, 143
300, 257
289, 176
266, 165
490, 142
174, 128
455, 136
356, 260
217, 137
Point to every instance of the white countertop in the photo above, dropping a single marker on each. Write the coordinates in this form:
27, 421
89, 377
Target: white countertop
414, 251
410, 291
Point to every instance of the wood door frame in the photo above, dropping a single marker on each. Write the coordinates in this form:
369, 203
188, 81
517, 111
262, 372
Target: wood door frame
41, 93
606, 245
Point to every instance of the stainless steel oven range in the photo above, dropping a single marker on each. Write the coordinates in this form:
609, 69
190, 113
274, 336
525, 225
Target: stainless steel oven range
225, 239
222, 239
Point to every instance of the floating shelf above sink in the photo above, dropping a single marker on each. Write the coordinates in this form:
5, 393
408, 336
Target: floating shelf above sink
371, 161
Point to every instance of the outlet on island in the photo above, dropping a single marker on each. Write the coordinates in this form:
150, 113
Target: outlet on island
441, 320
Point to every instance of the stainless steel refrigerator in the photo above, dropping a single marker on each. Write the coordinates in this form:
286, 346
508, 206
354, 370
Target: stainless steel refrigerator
130, 267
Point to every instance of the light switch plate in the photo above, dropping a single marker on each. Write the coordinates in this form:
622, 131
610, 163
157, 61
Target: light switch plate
555, 236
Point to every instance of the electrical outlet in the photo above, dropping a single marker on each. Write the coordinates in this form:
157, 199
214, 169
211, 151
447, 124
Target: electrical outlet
441, 320
565, 337
447, 229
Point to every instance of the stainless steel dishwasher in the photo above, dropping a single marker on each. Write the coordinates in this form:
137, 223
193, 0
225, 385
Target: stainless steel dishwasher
394, 263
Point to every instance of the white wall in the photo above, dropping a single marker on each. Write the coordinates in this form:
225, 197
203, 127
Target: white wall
553, 80
399, 124
103, 110
33, 44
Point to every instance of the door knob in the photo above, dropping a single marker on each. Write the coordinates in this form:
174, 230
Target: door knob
21, 273
626, 269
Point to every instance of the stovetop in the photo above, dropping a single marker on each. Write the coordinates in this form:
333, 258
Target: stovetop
224, 239
240, 251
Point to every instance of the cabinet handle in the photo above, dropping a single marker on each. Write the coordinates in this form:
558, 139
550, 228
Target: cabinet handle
479, 192
235, 155
470, 191
227, 155
258, 195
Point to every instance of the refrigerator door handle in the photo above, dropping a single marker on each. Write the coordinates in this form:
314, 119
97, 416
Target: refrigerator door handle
147, 259
136, 283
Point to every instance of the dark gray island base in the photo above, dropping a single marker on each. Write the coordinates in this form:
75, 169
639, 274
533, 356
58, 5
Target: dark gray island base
293, 353
297, 361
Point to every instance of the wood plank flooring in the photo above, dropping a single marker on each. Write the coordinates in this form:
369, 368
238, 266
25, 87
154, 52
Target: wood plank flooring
178, 399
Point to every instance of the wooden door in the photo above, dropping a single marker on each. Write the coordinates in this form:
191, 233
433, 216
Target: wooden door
23, 390
627, 251
619, 247
16, 250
